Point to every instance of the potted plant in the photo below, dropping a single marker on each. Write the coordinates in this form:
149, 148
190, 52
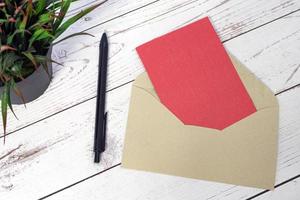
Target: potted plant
28, 30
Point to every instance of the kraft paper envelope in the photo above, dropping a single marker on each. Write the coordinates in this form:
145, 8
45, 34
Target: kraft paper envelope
244, 153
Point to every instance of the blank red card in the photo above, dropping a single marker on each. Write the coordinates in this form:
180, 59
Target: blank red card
194, 77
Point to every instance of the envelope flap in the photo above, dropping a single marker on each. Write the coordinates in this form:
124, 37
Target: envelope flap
143, 81
260, 94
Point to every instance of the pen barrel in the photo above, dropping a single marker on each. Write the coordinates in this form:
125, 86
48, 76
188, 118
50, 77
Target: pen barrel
97, 157
100, 122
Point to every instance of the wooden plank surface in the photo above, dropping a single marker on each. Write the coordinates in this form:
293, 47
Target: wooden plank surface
123, 184
107, 11
290, 190
59, 149
56, 152
75, 82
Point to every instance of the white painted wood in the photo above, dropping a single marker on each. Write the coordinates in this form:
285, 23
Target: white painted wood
123, 184
107, 11
74, 128
78, 5
290, 191
110, 9
76, 81
278, 43
57, 151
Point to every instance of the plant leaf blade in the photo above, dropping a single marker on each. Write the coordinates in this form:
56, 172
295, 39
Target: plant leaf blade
4, 102
73, 35
73, 19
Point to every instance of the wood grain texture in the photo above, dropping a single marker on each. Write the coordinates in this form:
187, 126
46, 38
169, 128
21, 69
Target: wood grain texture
107, 11
75, 82
123, 184
70, 132
58, 151
289, 191
50, 155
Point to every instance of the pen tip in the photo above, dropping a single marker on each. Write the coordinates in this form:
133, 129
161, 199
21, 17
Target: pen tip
97, 157
104, 37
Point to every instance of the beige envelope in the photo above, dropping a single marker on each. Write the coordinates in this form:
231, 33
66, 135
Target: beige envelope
242, 154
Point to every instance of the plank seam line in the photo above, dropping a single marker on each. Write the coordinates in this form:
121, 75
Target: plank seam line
271, 21
88, 99
133, 80
89, 177
122, 15
280, 184
74, 11
172, 9
65, 109
276, 186
224, 41
292, 87
114, 166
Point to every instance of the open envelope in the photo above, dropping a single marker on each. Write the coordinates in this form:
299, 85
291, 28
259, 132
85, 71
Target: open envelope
244, 153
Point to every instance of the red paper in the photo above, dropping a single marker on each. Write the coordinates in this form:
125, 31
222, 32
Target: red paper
194, 77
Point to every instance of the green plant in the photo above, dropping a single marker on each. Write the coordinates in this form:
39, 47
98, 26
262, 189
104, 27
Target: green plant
28, 28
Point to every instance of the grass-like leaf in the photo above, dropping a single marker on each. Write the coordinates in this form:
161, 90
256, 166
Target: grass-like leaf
73, 19
38, 35
9, 101
41, 5
17, 91
63, 11
28, 29
4, 103
72, 35
8, 61
45, 58
31, 58
6, 48
11, 37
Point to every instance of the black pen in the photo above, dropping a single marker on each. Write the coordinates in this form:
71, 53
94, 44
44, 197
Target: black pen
101, 115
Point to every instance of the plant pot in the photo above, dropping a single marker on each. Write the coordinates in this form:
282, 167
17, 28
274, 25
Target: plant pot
34, 85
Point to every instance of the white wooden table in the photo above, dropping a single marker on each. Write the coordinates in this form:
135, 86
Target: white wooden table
48, 153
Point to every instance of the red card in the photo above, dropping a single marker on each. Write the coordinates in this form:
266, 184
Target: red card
194, 77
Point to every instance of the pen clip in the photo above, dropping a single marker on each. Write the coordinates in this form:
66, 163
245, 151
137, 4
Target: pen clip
103, 139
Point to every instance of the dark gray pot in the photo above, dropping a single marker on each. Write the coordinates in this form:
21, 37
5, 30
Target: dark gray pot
34, 85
